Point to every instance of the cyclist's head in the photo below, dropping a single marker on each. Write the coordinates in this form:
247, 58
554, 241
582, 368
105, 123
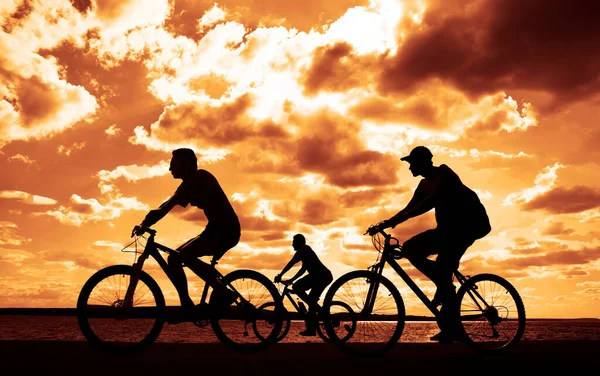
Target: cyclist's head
183, 162
299, 241
420, 159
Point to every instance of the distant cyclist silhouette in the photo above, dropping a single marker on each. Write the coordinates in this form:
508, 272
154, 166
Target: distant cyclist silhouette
317, 279
461, 219
201, 189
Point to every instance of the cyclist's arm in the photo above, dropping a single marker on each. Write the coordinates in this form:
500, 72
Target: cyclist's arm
421, 208
417, 199
298, 275
290, 264
157, 214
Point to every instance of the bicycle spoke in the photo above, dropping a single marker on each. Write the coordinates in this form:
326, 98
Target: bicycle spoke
378, 313
498, 320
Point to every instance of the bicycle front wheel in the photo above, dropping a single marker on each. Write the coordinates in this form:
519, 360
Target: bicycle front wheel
105, 321
377, 308
492, 314
237, 326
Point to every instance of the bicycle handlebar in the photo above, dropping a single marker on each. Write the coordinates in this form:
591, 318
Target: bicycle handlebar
140, 230
379, 230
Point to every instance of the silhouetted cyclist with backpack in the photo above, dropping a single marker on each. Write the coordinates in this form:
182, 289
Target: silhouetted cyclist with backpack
461, 219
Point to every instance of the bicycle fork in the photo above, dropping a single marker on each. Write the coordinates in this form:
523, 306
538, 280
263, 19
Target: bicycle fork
135, 277
373, 288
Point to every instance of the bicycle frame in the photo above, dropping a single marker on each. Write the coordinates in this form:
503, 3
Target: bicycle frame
287, 293
388, 256
152, 250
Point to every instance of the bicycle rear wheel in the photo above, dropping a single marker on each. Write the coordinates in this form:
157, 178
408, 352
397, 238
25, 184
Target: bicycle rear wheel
268, 322
342, 318
379, 322
231, 325
107, 324
491, 313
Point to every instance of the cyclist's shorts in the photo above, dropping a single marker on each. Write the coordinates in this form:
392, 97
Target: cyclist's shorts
215, 240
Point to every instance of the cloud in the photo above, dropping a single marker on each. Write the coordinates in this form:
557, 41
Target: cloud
35, 100
543, 184
27, 198
557, 228
82, 210
319, 211
42, 108
66, 150
131, 173
256, 260
368, 197
113, 130
474, 48
208, 125
211, 17
334, 148
562, 200
337, 68
8, 235
553, 256
417, 110
22, 158
589, 288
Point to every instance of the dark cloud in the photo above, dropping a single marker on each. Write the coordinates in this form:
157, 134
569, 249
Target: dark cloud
555, 257
330, 145
566, 200
18, 16
420, 111
557, 228
319, 212
575, 272
368, 197
213, 126
336, 68
501, 45
82, 5
37, 101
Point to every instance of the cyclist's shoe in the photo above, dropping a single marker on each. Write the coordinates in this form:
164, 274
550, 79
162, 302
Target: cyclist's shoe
308, 332
443, 337
184, 314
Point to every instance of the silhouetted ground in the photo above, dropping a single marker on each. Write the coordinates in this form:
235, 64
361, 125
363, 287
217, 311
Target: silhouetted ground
311, 359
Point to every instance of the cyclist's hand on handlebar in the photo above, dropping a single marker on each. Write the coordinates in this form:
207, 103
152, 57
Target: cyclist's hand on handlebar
137, 230
277, 278
372, 230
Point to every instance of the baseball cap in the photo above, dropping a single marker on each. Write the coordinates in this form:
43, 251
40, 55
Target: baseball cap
419, 153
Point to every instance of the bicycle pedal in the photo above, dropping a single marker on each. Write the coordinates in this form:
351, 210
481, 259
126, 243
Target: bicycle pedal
201, 323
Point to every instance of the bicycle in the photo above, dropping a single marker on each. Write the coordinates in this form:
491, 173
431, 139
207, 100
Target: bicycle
343, 321
489, 312
121, 308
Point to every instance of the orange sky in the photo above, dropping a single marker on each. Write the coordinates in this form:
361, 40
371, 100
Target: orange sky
301, 110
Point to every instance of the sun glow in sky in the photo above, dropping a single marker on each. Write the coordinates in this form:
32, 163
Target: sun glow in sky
301, 110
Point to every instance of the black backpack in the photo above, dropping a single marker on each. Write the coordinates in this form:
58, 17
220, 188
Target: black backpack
479, 220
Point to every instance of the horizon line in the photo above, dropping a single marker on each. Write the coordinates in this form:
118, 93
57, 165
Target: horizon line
9, 310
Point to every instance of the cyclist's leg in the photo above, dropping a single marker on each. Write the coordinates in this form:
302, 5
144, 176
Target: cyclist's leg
206, 244
301, 286
417, 250
446, 263
318, 286
175, 263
